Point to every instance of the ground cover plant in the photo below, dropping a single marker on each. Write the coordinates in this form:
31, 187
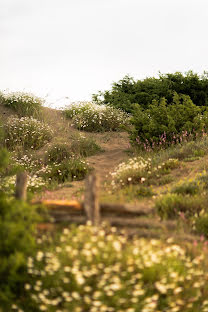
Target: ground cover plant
91, 269
68, 170
58, 152
27, 132
139, 170
95, 118
24, 104
84, 146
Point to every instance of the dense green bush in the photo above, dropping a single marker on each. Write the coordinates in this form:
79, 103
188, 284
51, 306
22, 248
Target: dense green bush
24, 104
162, 125
91, 269
58, 152
201, 225
95, 118
172, 205
17, 229
26, 132
127, 92
84, 146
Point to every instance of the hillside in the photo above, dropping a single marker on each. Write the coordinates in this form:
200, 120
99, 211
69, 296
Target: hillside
150, 252
115, 149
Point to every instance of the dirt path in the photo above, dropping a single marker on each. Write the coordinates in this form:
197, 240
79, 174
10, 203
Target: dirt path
114, 146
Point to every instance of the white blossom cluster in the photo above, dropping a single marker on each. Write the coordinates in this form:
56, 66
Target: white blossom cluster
27, 132
132, 171
21, 97
93, 117
99, 270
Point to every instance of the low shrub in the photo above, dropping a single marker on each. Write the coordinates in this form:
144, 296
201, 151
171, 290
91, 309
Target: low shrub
84, 146
95, 118
26, 132
17, 232
57, 153
134, 171
172, 205
187, 188
24, 104
140, 170
67, 170
91, 269
201, 225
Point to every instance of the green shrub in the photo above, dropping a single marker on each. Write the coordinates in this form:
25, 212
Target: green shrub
17, 230
95, 118
26, 132
144, 191
92, 269
57, 153
201, 225
162, 125
172, 205
67, 170
24, 104
84, 146
127, 91
187, 188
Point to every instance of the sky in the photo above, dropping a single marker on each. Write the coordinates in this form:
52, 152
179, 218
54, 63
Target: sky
66, 50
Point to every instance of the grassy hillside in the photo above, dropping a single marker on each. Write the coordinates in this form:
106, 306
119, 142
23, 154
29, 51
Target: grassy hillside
162, 268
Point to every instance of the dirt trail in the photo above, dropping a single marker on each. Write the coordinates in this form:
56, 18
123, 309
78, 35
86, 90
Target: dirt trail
114, 146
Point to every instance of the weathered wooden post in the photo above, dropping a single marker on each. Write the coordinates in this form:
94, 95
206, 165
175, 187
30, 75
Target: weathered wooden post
21, 186
91, 200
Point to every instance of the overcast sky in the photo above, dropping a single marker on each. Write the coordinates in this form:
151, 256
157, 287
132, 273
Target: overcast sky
73, 48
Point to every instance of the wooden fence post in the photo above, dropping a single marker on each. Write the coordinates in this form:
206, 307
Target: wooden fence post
21, 186
91, 201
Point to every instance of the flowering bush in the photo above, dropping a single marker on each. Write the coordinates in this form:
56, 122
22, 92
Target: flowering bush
138, 170
26, 132
132, 171
57, 153
97, 118
25, 104
67, 170
96, 270
34, 183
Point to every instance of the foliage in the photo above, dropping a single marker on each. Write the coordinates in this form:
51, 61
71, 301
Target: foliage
91, 269
133, 171
17, 229
58, 152
201, 225
68, 170
84, 146
161, 125
26, 132
24, 104
187, 188
95, 118
34, 184
139, 170
172, 205
127, 91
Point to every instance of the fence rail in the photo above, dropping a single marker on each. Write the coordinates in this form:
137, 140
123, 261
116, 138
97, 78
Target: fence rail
119, 215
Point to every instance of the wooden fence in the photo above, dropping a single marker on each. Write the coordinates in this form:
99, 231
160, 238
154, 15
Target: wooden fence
123, 216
